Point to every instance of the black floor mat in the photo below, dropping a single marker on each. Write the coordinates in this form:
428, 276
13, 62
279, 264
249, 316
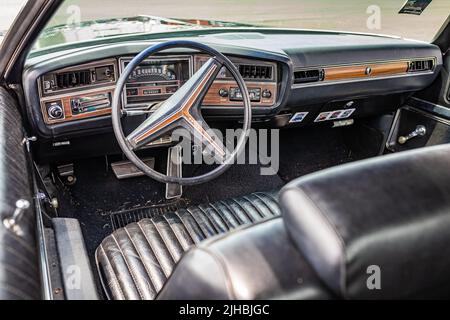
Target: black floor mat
239, 180
102, 203
307, 150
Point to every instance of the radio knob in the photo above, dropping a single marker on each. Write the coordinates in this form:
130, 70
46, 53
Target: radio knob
223, 93
55, 111
266, 94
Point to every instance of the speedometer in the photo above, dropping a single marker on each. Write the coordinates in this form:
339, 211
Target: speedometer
155, 79
149, 73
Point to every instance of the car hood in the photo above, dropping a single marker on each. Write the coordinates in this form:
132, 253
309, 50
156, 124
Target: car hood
95, 29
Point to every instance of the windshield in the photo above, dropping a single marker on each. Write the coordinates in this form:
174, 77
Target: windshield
81, 20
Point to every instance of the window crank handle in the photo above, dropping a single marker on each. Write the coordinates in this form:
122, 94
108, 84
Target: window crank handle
420, 131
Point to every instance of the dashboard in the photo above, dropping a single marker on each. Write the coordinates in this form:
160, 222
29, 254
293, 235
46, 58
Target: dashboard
294, 78
85, 91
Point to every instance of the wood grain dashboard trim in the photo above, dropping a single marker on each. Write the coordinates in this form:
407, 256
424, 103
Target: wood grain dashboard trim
365, 70
213, 98
65, 102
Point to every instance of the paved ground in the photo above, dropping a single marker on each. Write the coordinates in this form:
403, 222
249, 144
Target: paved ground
324, 14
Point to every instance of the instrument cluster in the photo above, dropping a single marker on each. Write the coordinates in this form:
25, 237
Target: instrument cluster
155, 79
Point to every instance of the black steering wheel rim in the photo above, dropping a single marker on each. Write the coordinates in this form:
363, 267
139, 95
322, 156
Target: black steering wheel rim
116, 110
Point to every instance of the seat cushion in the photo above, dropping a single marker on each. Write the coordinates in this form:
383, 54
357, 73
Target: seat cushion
257, 262
134, 262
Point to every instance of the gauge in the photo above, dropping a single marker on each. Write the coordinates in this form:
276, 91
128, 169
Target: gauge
154, 80
146, 73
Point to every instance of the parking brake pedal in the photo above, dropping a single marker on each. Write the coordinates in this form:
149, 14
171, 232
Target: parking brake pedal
174, 169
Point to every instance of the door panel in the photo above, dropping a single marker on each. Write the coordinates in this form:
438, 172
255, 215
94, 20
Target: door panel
19, 269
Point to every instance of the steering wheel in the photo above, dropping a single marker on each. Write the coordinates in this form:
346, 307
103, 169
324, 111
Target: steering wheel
181, 110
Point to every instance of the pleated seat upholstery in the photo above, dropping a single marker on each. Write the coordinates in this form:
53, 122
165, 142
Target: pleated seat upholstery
134, 262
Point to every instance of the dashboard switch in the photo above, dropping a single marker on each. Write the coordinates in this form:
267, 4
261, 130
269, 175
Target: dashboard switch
267, 94
223, 93
55, 110
253, 93
47, 85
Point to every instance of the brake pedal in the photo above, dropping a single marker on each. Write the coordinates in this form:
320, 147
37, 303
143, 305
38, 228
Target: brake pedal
126, 169
174, 169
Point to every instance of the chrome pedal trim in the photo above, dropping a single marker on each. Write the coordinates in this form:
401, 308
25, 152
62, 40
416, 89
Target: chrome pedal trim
126, 169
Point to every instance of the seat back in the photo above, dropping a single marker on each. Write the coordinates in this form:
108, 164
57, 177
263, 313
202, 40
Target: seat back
379, 228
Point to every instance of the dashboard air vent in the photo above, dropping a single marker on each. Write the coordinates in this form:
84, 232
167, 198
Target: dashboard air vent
255, 71
421, 65
312, 75
73, 79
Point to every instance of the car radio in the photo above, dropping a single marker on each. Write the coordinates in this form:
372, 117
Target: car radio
91, 103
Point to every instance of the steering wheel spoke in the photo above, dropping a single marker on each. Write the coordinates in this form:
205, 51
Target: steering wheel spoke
178, 106
211, 143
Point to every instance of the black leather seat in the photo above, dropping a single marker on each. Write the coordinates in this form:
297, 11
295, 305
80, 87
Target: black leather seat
388, 217
256, 262
134, 262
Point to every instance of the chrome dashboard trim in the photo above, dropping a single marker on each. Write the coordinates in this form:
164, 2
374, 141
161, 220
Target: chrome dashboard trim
77, 93
431, 107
